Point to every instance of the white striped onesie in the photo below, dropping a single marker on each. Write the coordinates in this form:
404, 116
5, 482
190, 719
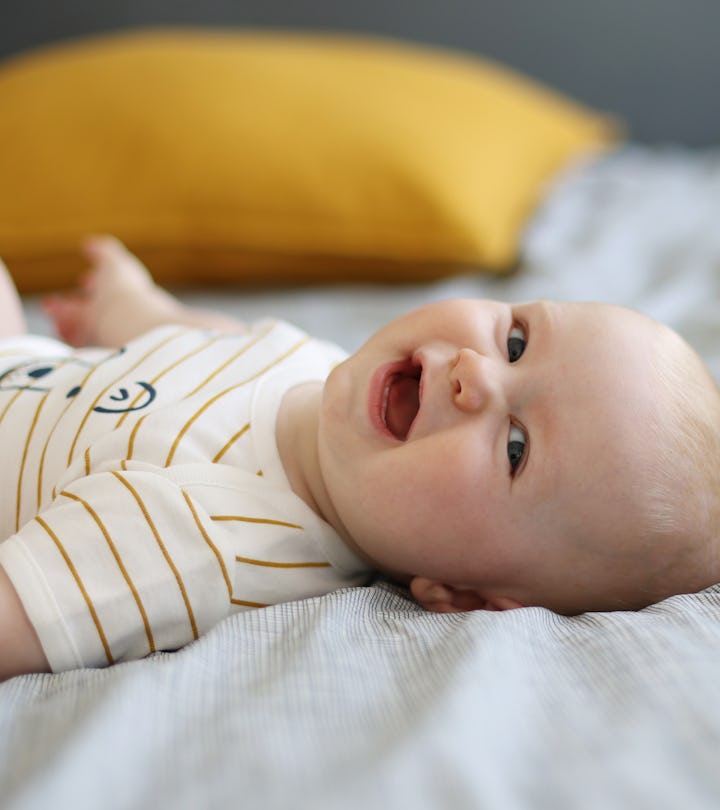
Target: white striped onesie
143, 495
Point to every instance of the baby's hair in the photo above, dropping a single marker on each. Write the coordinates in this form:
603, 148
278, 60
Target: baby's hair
669, 505
681, 510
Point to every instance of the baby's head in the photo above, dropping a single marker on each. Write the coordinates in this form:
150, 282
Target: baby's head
554, 454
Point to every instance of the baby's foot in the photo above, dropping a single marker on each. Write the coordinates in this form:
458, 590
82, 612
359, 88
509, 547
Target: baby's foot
119, 301
115, 290
113, 266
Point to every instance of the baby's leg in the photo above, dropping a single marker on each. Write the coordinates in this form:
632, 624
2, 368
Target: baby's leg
120, 301
20, 650
12, 318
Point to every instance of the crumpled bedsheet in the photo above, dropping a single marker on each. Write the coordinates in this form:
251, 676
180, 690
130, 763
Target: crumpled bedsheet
361, 699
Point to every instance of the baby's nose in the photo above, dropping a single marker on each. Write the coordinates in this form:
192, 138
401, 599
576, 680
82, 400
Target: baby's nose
475, 381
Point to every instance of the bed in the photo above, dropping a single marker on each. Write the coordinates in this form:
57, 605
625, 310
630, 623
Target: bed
360, 698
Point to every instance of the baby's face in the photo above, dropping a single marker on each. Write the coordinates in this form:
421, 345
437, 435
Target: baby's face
470, 443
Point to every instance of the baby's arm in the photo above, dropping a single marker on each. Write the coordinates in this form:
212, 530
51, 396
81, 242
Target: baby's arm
119, 301
20, 650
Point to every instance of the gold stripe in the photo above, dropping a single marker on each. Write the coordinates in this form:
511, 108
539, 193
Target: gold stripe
61, 362
83, 591
243, 430
265, 563
133, 434
167, 370
214, 399
246, 347
245, 603
87, 460
7, 408
41, 466
125, 372
21, 473
10, 404
41, 470
244, 519
184, 429
207, 539
118, 559
161, 545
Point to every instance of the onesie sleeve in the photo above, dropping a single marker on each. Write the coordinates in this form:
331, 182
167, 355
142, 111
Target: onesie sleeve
118, 567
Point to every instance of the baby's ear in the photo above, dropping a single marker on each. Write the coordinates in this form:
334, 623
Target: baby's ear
442, 598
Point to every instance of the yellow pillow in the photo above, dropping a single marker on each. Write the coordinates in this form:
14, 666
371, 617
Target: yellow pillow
244, 156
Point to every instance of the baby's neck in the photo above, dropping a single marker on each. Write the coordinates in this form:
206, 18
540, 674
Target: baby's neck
296, 432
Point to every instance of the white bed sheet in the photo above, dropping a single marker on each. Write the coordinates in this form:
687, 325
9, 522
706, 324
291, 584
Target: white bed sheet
360, 699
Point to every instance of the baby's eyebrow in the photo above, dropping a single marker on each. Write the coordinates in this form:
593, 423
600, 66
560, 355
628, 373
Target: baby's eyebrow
500, 319
540, 316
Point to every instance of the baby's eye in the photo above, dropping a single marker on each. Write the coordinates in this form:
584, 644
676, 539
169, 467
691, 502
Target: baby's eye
516, 342
517, 442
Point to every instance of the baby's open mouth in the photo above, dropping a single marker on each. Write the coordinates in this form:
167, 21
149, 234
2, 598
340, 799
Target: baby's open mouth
401, 401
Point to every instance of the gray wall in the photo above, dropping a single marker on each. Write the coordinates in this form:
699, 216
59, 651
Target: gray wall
656, 63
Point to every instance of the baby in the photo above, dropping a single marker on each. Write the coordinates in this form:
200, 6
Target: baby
487, 455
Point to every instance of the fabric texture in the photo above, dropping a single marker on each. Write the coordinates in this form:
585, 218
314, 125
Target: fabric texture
145, 498
360, 697
241, 156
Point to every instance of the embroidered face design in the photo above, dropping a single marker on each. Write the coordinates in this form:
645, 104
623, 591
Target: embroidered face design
37, 375
34, 375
